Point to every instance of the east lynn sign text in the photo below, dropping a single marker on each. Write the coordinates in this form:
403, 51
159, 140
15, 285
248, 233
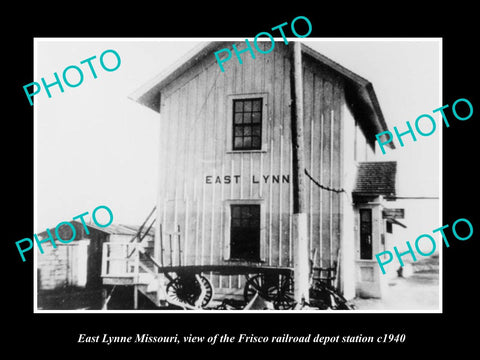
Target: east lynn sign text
256, 179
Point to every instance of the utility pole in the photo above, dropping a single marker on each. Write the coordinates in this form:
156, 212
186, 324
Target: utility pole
299, 221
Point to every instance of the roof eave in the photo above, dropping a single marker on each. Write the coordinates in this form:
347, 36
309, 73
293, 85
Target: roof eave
380, 120
149, 93
362, 88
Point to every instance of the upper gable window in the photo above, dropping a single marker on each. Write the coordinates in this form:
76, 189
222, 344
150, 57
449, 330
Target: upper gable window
247, 124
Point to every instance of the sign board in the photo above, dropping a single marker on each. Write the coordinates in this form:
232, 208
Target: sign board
394, 213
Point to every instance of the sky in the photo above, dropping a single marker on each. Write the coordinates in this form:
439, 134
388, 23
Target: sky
95, 146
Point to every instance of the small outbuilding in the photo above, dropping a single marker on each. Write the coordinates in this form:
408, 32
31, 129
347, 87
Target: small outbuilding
69, 276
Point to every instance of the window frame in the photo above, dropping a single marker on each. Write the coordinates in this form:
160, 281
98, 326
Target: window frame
231, 125
251, 125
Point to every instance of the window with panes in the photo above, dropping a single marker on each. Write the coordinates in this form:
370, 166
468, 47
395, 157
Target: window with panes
247, 124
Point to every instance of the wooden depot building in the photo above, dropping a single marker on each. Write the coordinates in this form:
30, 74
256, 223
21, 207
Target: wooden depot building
225, 179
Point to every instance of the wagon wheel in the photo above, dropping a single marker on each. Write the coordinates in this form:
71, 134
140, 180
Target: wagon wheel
284, 298
186, 289
254, 284
183, 289
277, 288
208, 290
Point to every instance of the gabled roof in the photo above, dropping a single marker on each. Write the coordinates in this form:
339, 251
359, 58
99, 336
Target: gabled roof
376, 178
149, 94
360, 94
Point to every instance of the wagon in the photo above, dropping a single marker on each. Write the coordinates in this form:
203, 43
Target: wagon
187, 286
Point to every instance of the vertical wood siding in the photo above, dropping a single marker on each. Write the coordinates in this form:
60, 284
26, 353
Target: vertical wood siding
195, 144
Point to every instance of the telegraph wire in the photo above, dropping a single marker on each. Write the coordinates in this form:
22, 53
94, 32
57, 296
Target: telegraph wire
415, 197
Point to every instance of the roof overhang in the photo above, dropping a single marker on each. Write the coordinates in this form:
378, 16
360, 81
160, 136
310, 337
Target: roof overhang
376, 178
149, 94
359, 92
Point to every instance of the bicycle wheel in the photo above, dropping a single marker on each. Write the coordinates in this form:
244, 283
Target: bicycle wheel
327, 297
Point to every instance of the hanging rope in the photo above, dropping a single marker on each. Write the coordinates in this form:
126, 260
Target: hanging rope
323, 186
327, 188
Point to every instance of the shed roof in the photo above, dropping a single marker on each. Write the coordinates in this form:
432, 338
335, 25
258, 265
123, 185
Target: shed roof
120, 229
112, 229
360, 94
376, 178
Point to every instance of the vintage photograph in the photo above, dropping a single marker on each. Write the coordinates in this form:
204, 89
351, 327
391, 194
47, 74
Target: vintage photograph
257, 185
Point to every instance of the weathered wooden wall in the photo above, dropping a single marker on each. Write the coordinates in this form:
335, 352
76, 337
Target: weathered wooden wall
195, 144
58, 267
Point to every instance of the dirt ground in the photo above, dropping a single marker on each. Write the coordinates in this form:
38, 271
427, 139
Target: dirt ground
420, 291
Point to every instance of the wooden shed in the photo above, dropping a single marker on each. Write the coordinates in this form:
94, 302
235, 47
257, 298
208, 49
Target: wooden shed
69, 275
225, 183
